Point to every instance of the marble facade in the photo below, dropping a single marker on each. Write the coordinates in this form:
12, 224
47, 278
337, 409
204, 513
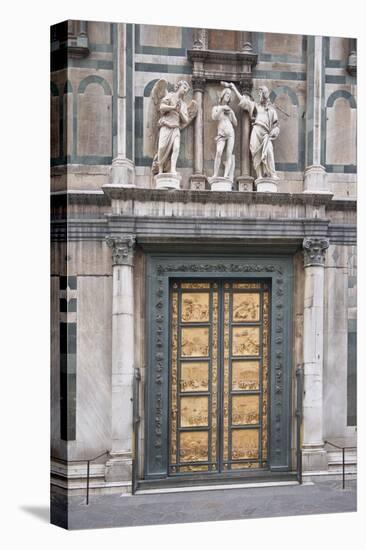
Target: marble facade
109, 213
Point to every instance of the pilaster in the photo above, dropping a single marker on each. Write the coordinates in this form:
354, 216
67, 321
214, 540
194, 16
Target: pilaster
123, 168
313, 453
119, 466
315, 176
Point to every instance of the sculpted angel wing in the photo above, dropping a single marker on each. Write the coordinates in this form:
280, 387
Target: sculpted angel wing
192, 110
158, 92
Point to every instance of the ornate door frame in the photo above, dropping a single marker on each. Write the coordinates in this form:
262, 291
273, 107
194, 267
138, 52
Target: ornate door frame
161, 268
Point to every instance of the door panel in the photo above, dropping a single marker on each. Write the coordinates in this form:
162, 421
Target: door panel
218, 376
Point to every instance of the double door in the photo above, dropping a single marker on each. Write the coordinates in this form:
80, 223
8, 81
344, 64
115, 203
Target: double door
218, 375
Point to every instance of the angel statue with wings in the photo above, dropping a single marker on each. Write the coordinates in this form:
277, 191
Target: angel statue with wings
169, 114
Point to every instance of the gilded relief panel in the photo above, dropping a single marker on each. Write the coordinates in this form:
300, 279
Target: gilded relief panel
195, 342
245, 444
245, 341
245, 375
245, 409
193, 411
193, 446
193, 377
246, 307
195, 307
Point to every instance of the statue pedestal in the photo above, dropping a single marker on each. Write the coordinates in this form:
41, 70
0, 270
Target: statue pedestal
266, 185
220, 184
315, 180
168, 180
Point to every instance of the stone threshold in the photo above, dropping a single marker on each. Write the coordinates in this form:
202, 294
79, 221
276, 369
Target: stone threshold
217, 487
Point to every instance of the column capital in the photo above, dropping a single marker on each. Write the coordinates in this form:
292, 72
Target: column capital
198, 83
246, 85
314, 251
122, 249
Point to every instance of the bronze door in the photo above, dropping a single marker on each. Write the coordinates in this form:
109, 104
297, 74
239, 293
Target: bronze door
218, 390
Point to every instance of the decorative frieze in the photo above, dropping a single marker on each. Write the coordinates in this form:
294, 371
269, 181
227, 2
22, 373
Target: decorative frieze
122, 249
314, 251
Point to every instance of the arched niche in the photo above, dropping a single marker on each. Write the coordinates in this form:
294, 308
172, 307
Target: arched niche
94, 117
341, 129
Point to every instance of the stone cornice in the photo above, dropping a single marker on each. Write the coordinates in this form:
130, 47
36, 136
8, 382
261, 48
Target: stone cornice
101, 198
122, 249
220, 197
314, 251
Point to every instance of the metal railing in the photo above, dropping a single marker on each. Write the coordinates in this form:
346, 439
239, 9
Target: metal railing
88, 461
343, 460
136, 424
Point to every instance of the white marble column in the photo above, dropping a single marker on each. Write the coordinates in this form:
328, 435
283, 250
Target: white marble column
123, 168
119, 466
198, 179
245, 180
313, 453
315, 176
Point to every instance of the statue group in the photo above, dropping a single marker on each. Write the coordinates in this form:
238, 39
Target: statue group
170, 114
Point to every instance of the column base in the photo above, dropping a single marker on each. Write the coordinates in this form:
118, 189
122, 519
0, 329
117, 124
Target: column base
122, 172
315, 179
168, 180
119, 467
314, 458
266, 185
245, 183
197, 182
220, 184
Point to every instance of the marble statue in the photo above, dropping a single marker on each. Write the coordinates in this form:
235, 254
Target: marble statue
265, 129
168, 115
225, 138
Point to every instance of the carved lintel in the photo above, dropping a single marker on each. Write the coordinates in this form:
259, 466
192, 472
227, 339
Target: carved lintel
198, 84
122, 249
314, 251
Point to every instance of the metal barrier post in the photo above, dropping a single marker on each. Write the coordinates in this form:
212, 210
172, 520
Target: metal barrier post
87, 481
299, 392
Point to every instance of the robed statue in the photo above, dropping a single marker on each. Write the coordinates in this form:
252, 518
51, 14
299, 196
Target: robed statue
265, 129
168, 115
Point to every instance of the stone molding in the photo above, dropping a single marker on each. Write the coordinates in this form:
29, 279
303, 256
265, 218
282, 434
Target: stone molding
247, 57
314, 251
122, 249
